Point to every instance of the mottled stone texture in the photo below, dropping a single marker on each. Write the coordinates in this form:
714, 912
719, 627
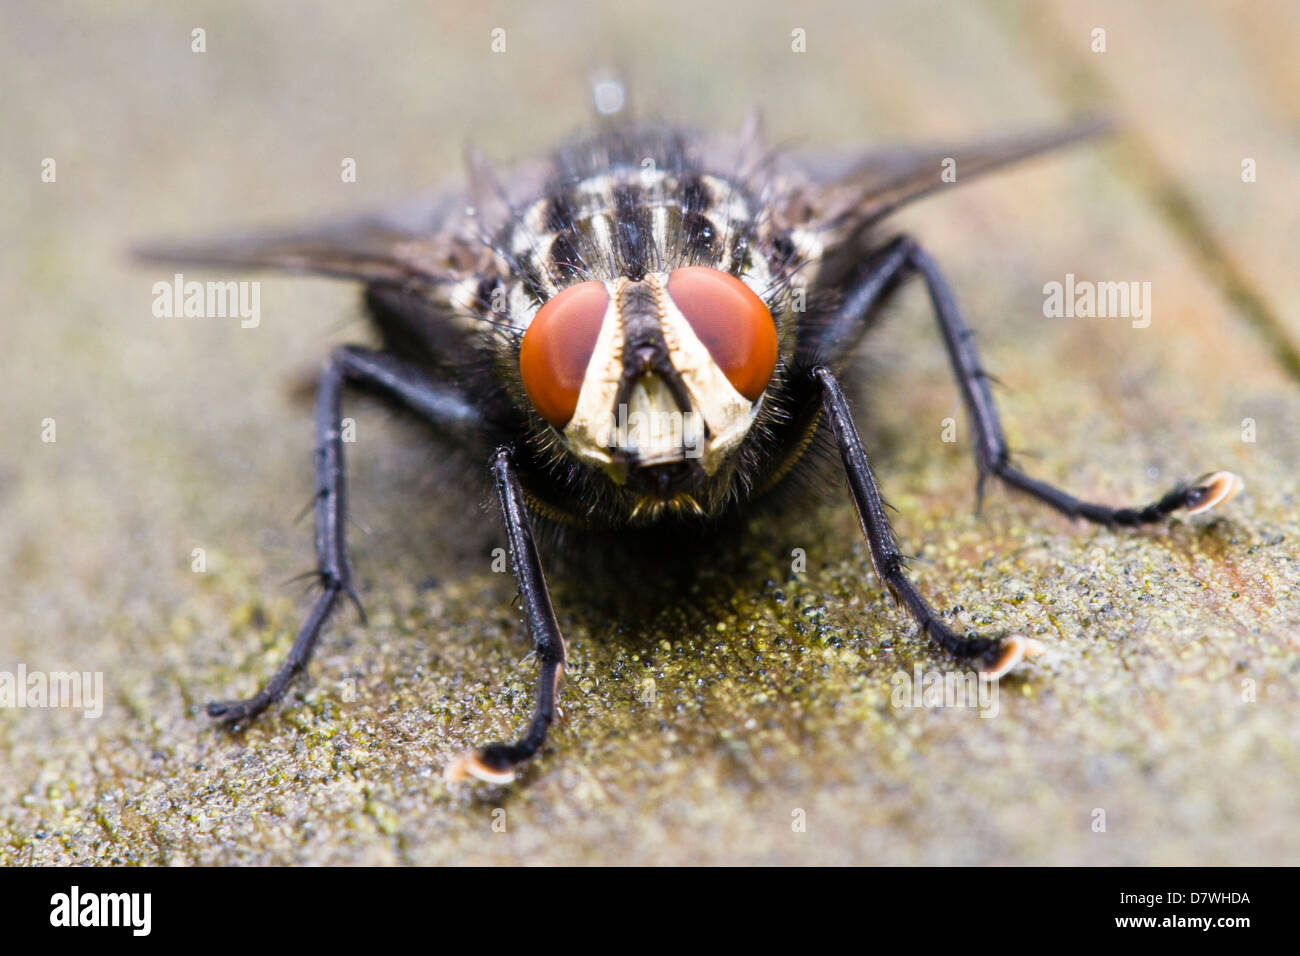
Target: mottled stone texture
1167, 697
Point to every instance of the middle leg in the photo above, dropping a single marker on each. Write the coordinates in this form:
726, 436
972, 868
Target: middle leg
902, 256
996, 656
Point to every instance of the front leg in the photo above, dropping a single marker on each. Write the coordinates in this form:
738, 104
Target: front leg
437, 403
996, 656
497, 763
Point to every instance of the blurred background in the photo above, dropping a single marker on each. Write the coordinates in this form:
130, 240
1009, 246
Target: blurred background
1168, 695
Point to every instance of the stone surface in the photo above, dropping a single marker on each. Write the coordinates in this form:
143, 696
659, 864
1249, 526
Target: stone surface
1167, 696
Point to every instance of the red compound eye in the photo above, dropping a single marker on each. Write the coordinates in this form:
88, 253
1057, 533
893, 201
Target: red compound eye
732, 322
556, 348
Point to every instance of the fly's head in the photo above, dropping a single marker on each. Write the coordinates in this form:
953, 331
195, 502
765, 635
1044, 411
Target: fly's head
656, 381
654, 322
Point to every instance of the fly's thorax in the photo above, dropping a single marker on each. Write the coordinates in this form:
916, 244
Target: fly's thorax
654, 381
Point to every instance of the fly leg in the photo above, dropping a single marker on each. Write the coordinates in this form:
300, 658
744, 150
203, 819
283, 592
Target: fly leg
496, 763
995, 656
386, 374
902, 256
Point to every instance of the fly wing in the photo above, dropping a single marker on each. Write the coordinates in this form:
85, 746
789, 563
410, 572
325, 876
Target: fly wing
849, 193
420, 243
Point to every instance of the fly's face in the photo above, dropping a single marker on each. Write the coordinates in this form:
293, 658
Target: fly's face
649, 320
655, 381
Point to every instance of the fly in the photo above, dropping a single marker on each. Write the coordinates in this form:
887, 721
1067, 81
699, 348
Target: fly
646, 330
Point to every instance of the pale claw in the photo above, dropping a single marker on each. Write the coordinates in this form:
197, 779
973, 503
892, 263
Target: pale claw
1014, 649
1216, 488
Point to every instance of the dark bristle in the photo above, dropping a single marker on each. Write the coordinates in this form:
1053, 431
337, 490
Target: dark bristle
565, 257
695, 195
632, 218
559, 214
699, 239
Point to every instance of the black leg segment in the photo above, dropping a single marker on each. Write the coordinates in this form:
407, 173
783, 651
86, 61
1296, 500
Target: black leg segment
437, 403
496, 763
995, 655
